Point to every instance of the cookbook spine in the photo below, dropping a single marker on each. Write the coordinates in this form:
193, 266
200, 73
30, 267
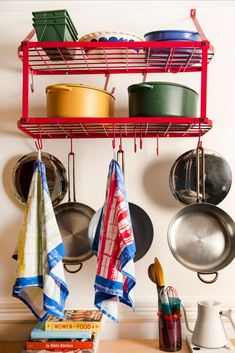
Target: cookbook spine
62, 345
72, 326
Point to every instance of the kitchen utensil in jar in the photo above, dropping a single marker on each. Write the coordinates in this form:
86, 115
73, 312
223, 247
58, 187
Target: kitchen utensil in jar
73, 219
183, 177
55, 172
202, 236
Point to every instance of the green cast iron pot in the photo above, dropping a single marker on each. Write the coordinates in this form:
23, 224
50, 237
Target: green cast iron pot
162, 99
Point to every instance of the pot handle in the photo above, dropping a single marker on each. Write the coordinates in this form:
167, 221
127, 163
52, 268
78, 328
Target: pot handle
143, 85
73, 271
58, 87
199, 274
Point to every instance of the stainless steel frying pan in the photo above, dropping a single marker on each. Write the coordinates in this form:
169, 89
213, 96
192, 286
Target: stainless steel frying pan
73, 219
202, 237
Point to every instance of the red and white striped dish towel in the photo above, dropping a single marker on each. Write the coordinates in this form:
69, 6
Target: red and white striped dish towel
115, 277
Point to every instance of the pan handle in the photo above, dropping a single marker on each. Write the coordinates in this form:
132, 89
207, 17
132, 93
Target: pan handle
73, 271
71, 176
120, 159
200, 167
199, 274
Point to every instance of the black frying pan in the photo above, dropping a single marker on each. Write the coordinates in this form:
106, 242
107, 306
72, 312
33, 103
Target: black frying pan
141, 223
142, 229
73, 219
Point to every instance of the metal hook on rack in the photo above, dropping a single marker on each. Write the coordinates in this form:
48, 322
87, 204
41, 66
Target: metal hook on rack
38, 143
199, 144
144, 76
120, 139
71, 144
32, 83
113, 140
157, 148
141, 141
135, 145
107, 77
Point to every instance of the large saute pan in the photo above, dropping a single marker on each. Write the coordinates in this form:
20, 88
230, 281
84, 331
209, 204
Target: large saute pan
202, 236
183, 177
77, 100
141, 223
55, 172
162, 99
73, 219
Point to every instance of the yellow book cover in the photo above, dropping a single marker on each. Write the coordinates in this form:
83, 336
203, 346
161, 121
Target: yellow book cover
82, 320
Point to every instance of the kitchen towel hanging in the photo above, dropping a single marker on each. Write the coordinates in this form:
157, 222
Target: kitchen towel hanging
115, 277
40, 281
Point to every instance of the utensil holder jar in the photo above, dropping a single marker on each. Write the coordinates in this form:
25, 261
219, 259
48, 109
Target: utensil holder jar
170, 338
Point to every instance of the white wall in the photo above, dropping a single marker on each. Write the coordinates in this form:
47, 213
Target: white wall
146, 175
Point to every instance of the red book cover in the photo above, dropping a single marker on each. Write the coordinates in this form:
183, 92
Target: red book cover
58, 345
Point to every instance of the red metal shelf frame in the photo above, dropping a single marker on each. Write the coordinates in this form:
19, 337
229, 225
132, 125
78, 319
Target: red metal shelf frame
115, 58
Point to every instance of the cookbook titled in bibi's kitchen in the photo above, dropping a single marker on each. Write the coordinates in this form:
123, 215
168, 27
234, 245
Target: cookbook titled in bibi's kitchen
87, 320
63, 344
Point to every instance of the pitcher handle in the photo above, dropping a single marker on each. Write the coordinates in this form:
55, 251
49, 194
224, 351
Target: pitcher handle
186, 319
228, 314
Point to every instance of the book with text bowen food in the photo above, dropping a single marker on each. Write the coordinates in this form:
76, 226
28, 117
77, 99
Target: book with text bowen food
39, 333
76, 320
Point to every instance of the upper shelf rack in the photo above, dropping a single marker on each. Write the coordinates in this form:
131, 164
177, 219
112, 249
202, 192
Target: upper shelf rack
114, 57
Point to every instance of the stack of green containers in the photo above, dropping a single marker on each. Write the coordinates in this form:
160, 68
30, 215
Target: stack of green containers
55, 26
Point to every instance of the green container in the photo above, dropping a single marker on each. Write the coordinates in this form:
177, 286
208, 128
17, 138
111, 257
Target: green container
54, 14
57, 19
162, 99
60, 30
53, 33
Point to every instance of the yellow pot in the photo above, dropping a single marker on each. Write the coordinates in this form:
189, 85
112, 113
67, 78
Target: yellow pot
68, 100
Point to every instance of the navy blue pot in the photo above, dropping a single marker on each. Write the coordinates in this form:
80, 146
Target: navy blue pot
172, 35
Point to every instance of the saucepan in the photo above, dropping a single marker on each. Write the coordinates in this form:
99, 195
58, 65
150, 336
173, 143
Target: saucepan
202, 236
141, 223
73, 219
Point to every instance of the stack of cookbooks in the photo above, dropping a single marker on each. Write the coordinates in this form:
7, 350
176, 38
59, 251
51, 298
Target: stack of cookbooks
77, 332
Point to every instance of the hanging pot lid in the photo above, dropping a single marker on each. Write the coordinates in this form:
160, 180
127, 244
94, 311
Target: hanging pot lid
183, 177
55, 172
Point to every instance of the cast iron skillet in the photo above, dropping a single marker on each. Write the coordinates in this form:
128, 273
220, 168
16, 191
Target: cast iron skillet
55, 172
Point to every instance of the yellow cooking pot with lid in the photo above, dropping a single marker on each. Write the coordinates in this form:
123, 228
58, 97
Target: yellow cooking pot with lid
69, 100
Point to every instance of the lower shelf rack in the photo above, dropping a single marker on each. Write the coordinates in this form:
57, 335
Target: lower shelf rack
142, 127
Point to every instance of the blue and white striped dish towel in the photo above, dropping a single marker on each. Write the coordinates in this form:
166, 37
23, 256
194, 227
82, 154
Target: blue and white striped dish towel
40, 281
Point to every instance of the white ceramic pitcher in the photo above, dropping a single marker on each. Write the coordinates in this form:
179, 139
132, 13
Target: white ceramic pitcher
209, 330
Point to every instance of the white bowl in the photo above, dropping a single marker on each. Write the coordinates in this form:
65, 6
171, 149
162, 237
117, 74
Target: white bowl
112, 54
108, 36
